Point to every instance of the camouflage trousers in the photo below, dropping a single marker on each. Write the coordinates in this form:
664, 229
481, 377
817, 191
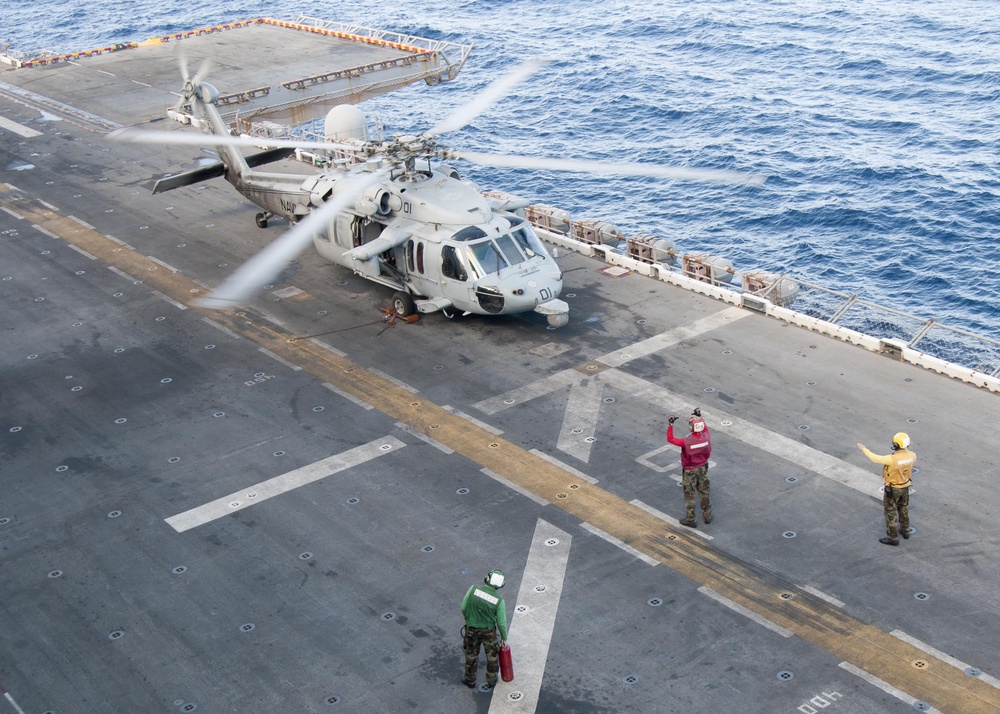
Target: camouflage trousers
487, 639
695, 481
897, 511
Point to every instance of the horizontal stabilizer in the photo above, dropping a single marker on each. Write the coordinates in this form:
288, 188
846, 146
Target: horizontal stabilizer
213, 170
217, 169
269, 156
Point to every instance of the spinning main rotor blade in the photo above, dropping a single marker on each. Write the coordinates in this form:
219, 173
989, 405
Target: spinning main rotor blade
610, 168
266, 265
487, 98
183, 138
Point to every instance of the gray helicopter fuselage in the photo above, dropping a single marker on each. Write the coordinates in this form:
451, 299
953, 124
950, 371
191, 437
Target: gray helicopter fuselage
436, 238
432, 237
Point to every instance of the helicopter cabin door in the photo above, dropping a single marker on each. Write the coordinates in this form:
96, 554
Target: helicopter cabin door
456, 284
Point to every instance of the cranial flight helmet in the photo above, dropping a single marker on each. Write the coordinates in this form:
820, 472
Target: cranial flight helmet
900, 441
495, 579
697, 424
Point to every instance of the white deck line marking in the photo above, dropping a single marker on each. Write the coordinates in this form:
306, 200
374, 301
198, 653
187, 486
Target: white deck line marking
48, 205
674, 470
534, 619
424, 438
168, 266
472, 420
282, 484
120, 242
283, 361
675, 465
619, 543
555, 382
399, 383
516, 487
348, 397
669, 519
864, 480
11, 213
221, 328
736, 607
82, 222
325, 346
566, 467
19, 129
166, 298
122, 273
883, 685
82, 252
44, 231
672, 337
947, 658
823, 596
580, 418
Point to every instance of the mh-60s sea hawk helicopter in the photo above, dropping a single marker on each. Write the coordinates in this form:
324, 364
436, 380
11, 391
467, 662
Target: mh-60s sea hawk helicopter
392, 216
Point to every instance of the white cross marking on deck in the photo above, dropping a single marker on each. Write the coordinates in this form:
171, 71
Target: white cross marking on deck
281, 484
584, 403
583, 407
534, 618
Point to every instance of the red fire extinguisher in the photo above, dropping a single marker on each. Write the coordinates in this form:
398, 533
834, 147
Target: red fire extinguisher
506, 663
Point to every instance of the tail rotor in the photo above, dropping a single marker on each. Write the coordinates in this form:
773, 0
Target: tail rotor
192, 84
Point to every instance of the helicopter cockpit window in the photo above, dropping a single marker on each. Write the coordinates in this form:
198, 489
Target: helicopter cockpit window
528, 241
488, 256
451, 264
469, 233
510, 250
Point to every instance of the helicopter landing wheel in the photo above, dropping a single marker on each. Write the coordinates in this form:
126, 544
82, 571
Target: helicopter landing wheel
261, 219
559, 320
403, 304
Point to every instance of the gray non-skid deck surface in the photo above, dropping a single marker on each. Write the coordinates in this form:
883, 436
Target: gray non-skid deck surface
340, 592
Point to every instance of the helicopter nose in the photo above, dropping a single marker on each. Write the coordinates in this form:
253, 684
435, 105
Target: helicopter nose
538, 290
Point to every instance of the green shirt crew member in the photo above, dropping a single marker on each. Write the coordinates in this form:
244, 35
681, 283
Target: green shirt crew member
484, 612
896, 470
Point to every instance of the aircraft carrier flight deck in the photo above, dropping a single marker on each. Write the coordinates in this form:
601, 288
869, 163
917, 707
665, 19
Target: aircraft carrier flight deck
279, 508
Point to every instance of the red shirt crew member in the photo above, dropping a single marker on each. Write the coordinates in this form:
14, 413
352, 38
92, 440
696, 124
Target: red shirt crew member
696, 448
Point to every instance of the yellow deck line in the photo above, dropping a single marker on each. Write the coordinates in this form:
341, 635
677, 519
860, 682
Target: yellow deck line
869, 648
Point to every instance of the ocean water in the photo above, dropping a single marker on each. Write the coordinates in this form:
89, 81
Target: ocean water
876, 123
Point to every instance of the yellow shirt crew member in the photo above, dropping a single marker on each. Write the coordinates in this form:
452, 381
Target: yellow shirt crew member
897, 468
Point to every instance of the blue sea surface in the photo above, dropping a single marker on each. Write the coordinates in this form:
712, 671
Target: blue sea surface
876, 123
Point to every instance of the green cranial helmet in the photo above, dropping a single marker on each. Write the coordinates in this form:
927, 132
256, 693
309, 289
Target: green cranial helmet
495, 579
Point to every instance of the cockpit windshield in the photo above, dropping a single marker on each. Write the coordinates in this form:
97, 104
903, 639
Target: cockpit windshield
487, 257
526, 238
493, 255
